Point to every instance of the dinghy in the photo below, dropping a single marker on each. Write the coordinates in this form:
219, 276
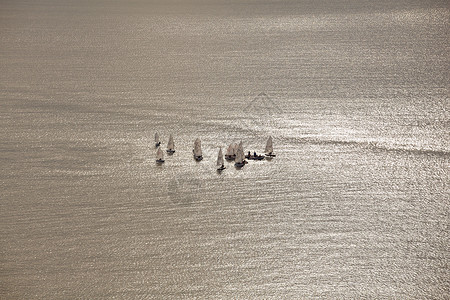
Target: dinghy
230, 155
239, 160
159, 156
269, 148
170, 146
157, 142
254, 156
198, 150
220, 161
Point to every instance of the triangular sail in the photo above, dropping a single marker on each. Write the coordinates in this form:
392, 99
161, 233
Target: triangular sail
220, 158
240, 154
156, 138
171, 145
230, 150
235, 148
159, 154
269, 146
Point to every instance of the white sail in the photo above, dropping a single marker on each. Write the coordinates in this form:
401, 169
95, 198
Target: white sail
220, 158
235, 148
170, 145
230, 150
198, 147
240, 154
198, 150
269, 146
159, 154
156, 138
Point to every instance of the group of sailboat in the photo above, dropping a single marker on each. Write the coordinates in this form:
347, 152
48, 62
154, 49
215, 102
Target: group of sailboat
234, 152
159, 153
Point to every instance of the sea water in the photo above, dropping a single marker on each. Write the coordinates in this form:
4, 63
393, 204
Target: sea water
354, 94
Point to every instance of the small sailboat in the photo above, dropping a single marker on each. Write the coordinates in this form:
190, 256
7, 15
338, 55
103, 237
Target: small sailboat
170, 146
159, 156
198, 150
269, 148
230, 155
240, 159
220, 161
157, 142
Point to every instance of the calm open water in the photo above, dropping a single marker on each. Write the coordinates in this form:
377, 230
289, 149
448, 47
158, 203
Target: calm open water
354, 93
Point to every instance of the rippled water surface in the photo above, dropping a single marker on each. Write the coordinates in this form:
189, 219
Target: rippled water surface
354, 94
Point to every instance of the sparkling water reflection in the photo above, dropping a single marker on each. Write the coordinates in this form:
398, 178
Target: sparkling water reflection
355, 205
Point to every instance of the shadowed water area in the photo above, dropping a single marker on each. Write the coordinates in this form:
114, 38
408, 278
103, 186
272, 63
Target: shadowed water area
353, 93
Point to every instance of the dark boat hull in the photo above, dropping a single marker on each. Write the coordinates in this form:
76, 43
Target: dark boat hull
252, 157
